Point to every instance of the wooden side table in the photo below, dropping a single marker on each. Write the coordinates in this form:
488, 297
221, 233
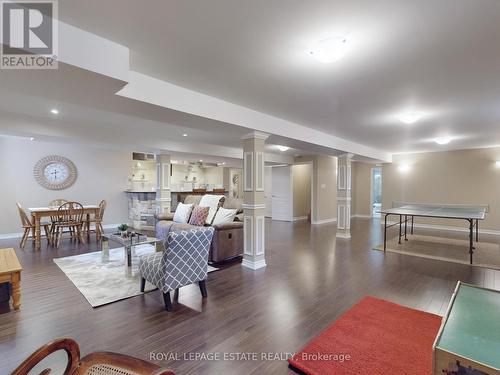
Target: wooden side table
10, 272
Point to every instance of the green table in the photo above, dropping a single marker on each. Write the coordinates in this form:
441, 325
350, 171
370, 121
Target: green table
470, 334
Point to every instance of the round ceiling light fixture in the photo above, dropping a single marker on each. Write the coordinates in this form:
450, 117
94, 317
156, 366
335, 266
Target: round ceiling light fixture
410, 117
283, 148
330, 50
442, 140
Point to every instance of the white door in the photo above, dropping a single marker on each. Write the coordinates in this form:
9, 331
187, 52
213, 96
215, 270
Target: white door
268, 192
282, 197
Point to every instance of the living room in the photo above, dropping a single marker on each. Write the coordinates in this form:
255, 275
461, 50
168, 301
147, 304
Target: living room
214, 188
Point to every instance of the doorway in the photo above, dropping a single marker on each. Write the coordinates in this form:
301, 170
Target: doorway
376, 191
282, 193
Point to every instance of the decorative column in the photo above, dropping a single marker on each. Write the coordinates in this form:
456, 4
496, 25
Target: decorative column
254, 206
344, 196
163, 198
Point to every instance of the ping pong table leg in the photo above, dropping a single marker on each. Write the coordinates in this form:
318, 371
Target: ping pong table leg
412, 217
400, 223
471, 238
406, 221
385, 232
477, 230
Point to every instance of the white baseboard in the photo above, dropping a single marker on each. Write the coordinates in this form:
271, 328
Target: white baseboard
253, 265
343, 235
446, 227
8, 236
325, 221
299, 218
361, 216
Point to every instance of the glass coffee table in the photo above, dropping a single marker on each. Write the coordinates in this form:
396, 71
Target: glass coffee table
128, 243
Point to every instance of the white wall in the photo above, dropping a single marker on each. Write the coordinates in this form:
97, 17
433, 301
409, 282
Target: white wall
102, 174
450, 177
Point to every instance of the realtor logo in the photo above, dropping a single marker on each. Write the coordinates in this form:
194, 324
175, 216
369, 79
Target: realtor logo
29, 34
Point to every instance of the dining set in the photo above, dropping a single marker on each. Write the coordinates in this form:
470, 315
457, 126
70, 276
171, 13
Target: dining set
61, 217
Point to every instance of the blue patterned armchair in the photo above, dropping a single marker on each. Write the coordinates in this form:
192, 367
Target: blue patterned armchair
184, 261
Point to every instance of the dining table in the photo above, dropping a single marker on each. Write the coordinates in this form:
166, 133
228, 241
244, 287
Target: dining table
38, 213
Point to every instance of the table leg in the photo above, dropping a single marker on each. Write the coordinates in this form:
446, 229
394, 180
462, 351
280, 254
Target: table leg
128, 255
87, 224
38, 233
16, 290
412, 224
400, 222
477, 230
385, 232
471, 238
406, 221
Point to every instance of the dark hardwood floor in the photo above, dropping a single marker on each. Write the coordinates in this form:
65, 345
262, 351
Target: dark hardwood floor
311, 279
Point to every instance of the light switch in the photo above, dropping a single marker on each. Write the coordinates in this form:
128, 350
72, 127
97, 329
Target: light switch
323, 186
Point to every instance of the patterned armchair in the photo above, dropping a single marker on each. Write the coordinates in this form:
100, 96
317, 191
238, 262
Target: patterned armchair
184, 261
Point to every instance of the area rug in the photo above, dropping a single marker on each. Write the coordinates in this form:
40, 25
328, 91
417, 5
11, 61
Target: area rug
446, 249
374, 337
102, 278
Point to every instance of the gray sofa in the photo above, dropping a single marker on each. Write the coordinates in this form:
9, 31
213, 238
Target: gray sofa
227, 240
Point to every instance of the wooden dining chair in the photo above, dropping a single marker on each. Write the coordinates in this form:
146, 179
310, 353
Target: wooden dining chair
53, 219
97, 363
70, 216
29, 226
97, 219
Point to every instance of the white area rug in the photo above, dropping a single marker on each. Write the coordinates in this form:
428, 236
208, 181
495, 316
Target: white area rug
102, 278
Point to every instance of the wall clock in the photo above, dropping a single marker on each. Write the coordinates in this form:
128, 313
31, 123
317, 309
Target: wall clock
55, 172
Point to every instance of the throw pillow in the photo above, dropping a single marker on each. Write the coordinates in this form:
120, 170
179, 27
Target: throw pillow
211, 201
182, 213
224, 215
199, 216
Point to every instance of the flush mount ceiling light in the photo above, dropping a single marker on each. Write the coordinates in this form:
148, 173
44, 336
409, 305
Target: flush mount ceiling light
32, 139
404, 168
283, 148
54, 111
410, 117
185, 135
330, 50
442, 140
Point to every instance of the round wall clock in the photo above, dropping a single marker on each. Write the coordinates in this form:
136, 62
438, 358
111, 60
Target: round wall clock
55, 172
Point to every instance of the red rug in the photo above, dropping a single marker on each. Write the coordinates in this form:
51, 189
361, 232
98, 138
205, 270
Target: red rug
373, 337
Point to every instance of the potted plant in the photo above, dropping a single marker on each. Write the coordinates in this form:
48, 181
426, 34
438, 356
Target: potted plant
122, 229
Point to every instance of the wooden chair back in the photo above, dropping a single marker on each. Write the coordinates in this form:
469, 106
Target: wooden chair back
56, 203
102, 207
25, 221
70, 212
91, 364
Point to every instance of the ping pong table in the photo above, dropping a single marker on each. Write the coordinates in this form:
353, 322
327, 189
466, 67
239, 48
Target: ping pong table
408, 211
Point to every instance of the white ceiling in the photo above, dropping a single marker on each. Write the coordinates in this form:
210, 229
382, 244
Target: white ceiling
440, 57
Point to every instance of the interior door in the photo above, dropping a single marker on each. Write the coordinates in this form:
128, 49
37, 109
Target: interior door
282, 193
268, 192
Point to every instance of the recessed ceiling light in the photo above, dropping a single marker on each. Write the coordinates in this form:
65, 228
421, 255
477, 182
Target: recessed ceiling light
283, 148
32, 138
201, 160
223, 162
403, 168
410, 117
54, 111
184, 135
330, 50
442, 140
